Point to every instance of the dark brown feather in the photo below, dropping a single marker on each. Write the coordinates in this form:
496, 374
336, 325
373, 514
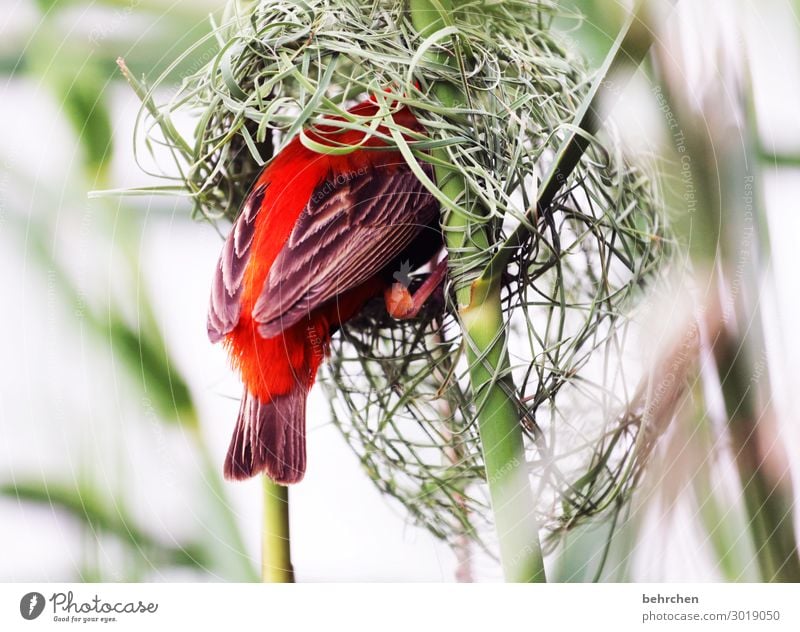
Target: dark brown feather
226, 288
349, 231
269, 438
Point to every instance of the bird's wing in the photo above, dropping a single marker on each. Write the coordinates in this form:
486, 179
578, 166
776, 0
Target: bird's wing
226, 290
350, 230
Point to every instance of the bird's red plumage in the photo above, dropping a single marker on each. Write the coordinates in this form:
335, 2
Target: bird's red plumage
280, 369
270, 366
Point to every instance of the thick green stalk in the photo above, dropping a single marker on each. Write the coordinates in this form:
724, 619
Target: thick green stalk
501, 439
484, 330
276, 561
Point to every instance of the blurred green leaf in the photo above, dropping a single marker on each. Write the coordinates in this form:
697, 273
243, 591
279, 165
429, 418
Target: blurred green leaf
147, 361
86, 109
599, 22
78, 84
105, 515
54, 47
601, 550
144, 352
142, 348
78, 71
48, 5
580, 554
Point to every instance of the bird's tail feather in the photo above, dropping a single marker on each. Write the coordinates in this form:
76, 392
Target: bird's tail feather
270, 437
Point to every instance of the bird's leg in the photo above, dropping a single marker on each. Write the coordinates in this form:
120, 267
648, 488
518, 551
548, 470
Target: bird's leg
402, 304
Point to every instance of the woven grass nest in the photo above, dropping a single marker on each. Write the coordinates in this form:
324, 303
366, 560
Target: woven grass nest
399, 391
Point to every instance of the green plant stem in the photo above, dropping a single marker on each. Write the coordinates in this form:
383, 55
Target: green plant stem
276, 561
501, 440
484, 329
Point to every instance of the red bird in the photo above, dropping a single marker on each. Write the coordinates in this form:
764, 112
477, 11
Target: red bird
317, 236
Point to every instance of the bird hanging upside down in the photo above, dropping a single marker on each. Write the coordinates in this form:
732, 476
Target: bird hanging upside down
317, 237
